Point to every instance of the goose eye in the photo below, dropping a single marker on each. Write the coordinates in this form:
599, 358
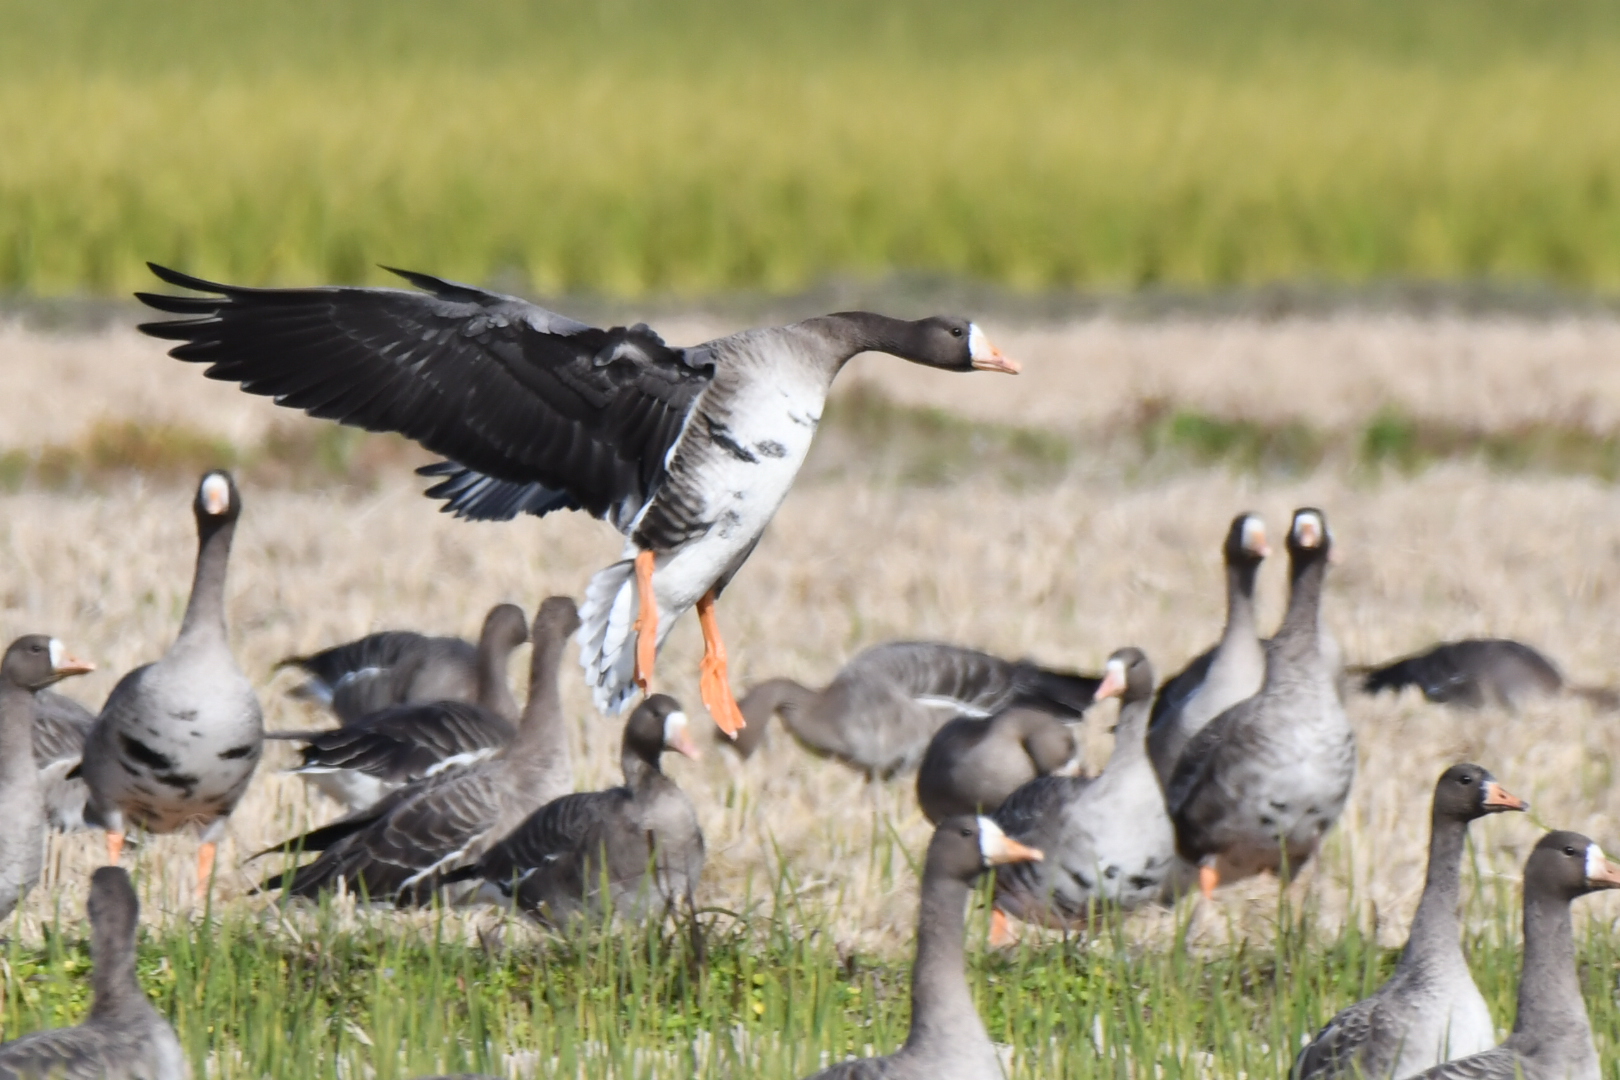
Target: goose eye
967, 832
1570, 850
1465, 780
956, 331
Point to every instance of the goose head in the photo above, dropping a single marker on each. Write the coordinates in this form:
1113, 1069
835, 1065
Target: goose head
1246, 541
505, 628
1465, 792
1308, 536
657, 725
1128, 675
1568, 864
36, 661
947, 342
965, 846
217, 499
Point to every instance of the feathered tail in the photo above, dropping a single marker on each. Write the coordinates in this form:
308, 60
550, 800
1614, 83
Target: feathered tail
607, 639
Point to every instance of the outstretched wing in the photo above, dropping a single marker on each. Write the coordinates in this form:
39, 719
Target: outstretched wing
408, 742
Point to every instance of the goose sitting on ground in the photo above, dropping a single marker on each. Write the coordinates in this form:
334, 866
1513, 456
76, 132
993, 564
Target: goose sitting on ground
178, 740
972, 765
555, 863
1430, 1010
123, 1037
30, 664
401, 667
881, 709
1258, 787
1552, 1034
687, 451
947, 1039
1473, 673
61, 726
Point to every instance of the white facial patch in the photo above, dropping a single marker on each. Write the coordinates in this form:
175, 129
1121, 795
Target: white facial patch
978, 345
1254, 535
1116, 671
1308, 530
1596, 861
991, 839
674, 724
216, 494
56, 654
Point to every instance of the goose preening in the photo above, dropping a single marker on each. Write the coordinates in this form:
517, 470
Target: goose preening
61, 726
1258, 787
882, 708
555, 864
1552, 1034
401, 667
400, 848
947, 1040
1227, 672
178, 739
972, 764
687, 451
123, 1037
30, 664
1429, 1011
1476, 672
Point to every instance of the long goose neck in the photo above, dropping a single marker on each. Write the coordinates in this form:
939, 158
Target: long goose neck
1240, 578
16, 735
641, 769
766, 700
491, 687
1130, 735
1435, 927
541, 727
940, 1001
1549, 990
112, 978
849, 333
1297, 637
205, 611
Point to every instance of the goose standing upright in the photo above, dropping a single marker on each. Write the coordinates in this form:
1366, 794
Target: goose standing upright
178, 739
1430, 1010
972, 765
687, 451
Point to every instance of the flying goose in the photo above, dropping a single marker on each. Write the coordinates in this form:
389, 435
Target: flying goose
30, 664
687, 451
124, 1037
1552, 1034
947, 1040
883, 707
972, 764
60, 727
1430, 1010
556, 862
1474, 672
1259, 785
178, 739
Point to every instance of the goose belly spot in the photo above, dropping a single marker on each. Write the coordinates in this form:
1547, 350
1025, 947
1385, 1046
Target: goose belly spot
191, 766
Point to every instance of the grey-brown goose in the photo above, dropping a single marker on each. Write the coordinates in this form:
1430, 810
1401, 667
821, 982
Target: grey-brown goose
1258, 787
124, 1037
61, 725
1475, 672
947, 1040
882, 707
178, 739
1230, 670
687, 451
400, 848
1552, 1035
555, 863
972, 764
401, 667
31, 663
1430, 1010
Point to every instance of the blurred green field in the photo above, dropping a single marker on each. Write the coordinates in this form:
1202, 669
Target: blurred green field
692, 146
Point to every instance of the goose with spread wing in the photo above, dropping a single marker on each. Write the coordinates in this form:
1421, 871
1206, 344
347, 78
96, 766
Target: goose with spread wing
687, 451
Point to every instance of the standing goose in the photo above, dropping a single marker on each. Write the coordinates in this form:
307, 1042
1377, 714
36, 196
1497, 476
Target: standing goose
124, 1037
881, 709
61, 725
1430, 1010
1226, 673
30, 664
687, 451
1552, 1035
972, 765
399, 848
1259, 785
947, 1039
178, 739
555, 863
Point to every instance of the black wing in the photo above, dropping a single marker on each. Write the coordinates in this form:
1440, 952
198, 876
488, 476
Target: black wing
407, 742
1468, 673
566, 828
494, 383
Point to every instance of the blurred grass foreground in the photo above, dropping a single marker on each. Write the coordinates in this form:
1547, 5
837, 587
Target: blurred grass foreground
692, 146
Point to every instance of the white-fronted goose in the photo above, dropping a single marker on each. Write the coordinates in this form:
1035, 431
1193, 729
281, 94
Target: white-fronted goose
1552, 1034
400, 848
124, 1037
1430, 1010
61, 725
1259, 785
972, 764
947, 1039
687, 451
882, 707
1476, 672
31, 663
556, 862
178, 739
1230, 670
401, 667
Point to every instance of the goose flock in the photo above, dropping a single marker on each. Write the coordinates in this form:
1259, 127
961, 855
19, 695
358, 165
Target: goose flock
1238, 765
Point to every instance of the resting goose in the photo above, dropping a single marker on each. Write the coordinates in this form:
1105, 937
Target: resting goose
61, 726
1430, 1010
1258, 787
1226, 673
1474, 672
882, 707
972, 765
686, 451
947, 1040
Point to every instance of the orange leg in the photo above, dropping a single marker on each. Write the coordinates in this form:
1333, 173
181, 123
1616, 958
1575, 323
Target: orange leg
205, 865
115, 847
646, 621
713, 683
1001, 934
1208, 878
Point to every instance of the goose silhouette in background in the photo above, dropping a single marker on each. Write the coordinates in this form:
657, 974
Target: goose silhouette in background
973, 764
1476, 672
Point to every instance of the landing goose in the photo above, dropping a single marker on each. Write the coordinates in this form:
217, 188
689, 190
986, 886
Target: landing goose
399, 848
124, 1037
1226, 673
400, 667
947, 1039
1262, 782
882, 707
686, 451
30, 664
972, 765
178, 739
556, 862
1429, 1011
1476, 672
1552, 1035
61, 726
